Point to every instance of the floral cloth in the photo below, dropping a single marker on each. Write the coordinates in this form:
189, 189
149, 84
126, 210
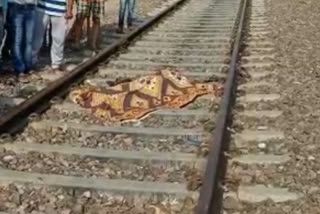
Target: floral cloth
137, 98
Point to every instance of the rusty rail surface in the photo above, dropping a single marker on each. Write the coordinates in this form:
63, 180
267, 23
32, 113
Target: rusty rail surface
209, 200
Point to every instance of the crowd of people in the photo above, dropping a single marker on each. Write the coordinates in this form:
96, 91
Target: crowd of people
24, 23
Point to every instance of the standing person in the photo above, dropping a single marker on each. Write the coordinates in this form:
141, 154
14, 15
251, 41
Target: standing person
57, 12
127, 7
23, 21
85, 10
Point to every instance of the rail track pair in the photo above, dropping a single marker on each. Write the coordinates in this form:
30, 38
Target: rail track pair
55, 145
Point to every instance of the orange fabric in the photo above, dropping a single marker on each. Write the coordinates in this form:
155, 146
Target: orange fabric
137, 98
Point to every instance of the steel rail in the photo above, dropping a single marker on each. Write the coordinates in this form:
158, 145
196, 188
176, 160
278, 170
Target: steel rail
10, 123
210, 193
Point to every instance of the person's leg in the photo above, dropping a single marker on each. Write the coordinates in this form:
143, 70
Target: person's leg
87, 28
71, 34
1, 34
121, 15
82, 13
133, 9
75, 30
59, 33
95, 32
9, 27
46, 43
29, 24
130, 12
18, 59
87, 23
41, 23
1, 28
78, 31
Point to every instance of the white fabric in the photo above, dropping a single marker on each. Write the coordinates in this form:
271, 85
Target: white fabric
59, 32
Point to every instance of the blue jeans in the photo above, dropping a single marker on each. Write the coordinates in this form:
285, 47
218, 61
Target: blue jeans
1, 32
1, 26
24, 22
134, 10
7, 50
126, 7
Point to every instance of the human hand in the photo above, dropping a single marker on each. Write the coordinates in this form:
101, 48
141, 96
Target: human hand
69, 15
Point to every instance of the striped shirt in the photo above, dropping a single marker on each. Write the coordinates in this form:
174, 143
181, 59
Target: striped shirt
23, 2
53, 7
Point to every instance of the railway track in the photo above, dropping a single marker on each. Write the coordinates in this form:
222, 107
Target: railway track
62, 161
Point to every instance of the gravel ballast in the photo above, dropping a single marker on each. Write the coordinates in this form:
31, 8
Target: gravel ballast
294, 27
39, 200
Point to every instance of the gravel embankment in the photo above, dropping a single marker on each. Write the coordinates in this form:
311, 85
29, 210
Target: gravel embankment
295, 31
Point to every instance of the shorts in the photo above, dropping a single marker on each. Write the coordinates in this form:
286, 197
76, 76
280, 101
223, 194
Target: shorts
87, 8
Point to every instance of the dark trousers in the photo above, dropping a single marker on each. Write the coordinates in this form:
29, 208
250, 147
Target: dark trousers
1, 33
126, 8
7, 50
24, 23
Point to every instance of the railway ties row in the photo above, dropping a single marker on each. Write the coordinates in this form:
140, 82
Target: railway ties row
160, 48
159, 160
256, 155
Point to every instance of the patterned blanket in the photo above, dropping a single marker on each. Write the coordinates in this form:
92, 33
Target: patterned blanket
136, 99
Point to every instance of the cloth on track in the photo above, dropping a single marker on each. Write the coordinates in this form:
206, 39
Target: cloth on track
165, 88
